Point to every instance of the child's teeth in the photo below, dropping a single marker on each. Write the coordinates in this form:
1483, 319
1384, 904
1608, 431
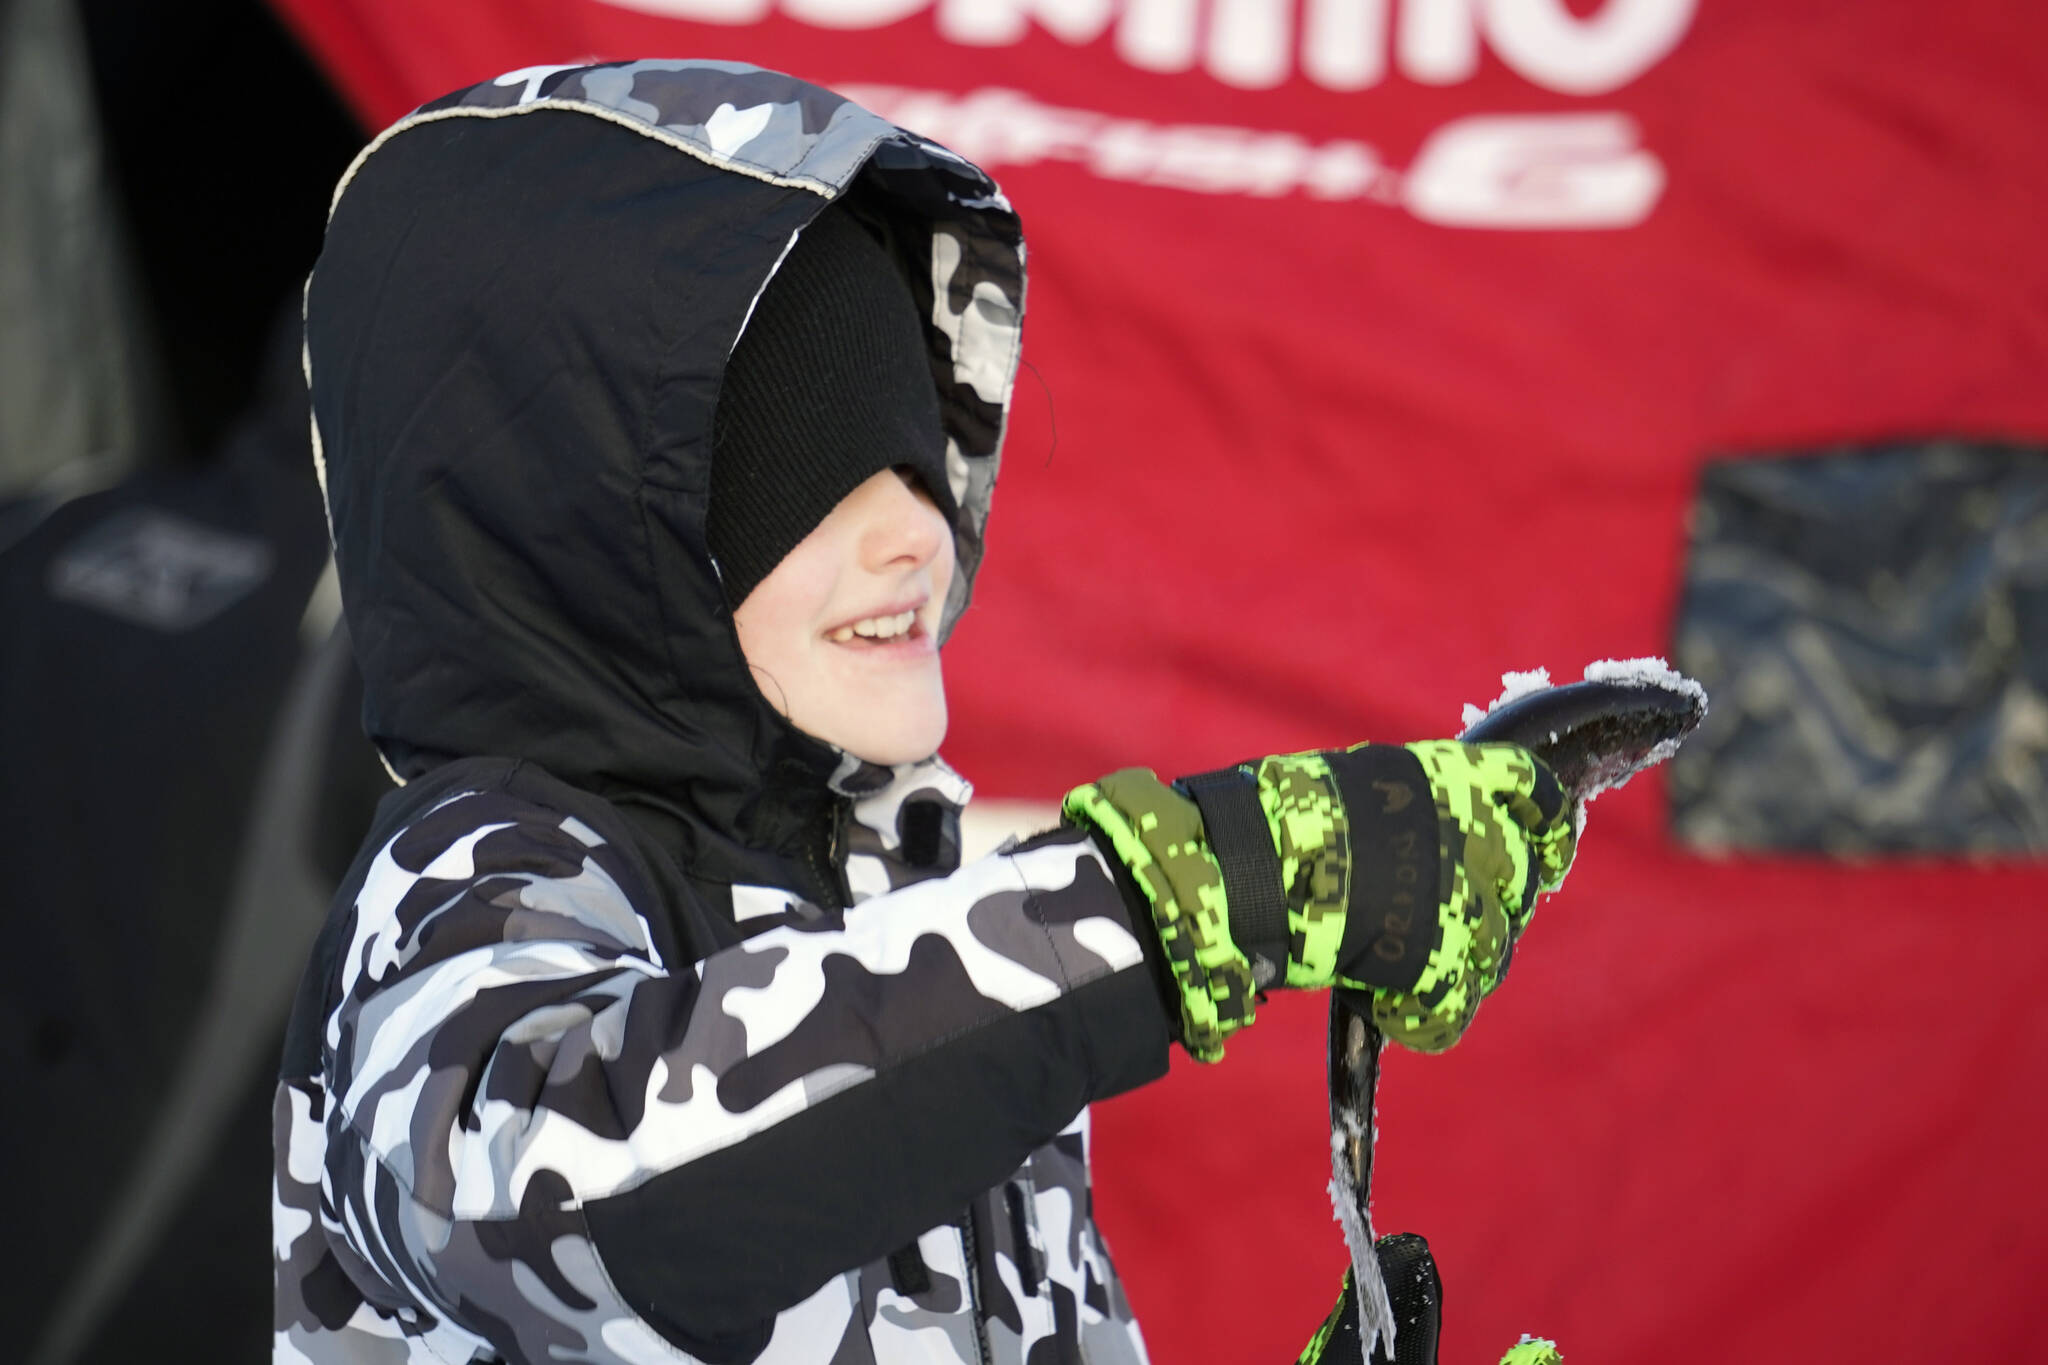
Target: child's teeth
878, 627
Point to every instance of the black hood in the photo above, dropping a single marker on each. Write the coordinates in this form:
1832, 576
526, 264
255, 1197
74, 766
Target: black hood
515, 338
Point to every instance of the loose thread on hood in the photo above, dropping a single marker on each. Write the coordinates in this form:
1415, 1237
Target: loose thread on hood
1052, 418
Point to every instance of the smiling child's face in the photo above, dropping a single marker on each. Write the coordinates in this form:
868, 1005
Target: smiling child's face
842, 635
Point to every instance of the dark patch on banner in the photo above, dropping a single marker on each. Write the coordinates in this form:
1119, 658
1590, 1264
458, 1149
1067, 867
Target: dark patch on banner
1873, 627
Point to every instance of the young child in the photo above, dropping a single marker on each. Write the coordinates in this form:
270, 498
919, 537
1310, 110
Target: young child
658, 407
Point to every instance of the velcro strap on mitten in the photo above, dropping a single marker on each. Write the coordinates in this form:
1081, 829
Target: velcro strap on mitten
1241, 841
1391, 925
1156, 833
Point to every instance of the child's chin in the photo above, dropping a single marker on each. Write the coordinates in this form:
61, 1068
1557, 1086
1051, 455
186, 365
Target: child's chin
891, 755
911, 741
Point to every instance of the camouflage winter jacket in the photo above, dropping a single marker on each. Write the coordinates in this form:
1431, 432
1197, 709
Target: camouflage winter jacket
645, 1027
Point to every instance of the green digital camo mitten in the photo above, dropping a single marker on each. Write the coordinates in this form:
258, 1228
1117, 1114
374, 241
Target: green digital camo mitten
1404, 870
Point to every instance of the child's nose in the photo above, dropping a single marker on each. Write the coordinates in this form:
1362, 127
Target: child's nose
906, 526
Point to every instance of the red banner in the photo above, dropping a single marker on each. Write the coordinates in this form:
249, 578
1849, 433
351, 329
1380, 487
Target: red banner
1375, 346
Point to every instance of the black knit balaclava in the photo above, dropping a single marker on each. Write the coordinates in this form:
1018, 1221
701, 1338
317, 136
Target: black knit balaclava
831, 383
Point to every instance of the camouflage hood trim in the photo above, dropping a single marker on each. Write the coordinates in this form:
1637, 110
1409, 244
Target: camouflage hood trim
983, 337
462, 257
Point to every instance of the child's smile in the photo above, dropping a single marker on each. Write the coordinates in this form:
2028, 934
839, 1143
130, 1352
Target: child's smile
843, 635
888, 627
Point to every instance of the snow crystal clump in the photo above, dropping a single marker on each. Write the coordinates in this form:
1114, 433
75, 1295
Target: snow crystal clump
1649, 672
1645, 672
1514, 686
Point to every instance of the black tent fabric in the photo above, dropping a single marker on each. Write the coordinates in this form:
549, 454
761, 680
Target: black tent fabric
224, 214
179, 729
184, 768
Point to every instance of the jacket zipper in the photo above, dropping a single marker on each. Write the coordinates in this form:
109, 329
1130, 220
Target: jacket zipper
825, 869
972, 1262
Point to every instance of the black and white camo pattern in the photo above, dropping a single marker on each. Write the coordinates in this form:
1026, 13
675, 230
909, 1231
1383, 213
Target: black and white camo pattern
905, 828
507, 1042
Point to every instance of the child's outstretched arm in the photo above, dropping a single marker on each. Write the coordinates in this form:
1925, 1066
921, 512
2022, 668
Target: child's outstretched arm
541, 1120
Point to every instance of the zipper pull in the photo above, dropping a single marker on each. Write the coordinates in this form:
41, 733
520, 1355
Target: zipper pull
908, 1274
1030, 1257
970, 1256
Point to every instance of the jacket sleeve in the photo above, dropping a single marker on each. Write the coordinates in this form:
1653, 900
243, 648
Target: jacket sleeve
536, 1115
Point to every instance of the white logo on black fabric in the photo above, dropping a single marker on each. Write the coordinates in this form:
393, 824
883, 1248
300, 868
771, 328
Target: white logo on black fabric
157, 569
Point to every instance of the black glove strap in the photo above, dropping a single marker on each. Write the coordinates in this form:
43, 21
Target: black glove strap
1242, 844
1397, 864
